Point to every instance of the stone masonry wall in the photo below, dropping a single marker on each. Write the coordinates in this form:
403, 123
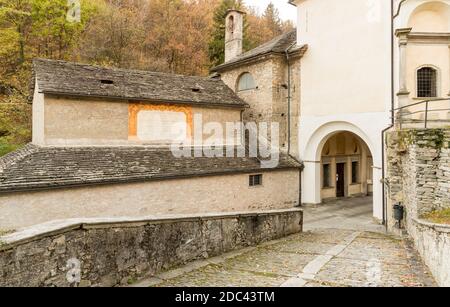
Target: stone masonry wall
433, 243
111, 252
418, 170
418, 176
269, 101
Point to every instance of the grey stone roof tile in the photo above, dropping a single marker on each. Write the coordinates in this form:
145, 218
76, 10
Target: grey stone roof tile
80, 80
277, 45
36, 167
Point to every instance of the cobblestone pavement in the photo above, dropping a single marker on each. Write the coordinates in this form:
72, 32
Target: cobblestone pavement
324, 255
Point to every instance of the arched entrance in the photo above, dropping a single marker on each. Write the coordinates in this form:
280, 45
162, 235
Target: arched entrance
354, 162
346, 167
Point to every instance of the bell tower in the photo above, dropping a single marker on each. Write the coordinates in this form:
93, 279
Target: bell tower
234, 33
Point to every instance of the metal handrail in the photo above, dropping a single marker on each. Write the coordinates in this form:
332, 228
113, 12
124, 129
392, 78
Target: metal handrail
429, 111
421, 102
426, 103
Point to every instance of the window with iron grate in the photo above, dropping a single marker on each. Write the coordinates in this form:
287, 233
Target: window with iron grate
427, 82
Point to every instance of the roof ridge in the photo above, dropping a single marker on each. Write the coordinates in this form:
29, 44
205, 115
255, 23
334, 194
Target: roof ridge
276, 39
118, 69
16, 156
275, 45
283, 36
84, 80
287, 33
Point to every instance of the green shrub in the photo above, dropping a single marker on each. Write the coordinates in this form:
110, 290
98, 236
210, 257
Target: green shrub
15, 126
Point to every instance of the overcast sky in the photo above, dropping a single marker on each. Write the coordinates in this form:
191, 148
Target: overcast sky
287, 11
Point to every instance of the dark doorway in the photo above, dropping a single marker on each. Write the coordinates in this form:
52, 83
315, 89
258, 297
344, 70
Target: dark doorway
340, 180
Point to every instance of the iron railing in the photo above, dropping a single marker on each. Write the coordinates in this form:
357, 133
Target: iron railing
403, 115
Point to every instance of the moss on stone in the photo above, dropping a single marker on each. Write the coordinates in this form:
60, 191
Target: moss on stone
4, 233
423, 138
132, 280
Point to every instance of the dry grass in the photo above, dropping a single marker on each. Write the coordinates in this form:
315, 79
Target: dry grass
5, 232
439, 216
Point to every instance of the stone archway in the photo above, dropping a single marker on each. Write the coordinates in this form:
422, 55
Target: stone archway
346, 167
312, 180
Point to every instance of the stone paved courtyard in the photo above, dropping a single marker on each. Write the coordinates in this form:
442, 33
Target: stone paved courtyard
341, 246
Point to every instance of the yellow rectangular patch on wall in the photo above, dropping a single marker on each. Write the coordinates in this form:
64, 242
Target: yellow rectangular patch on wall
159, 123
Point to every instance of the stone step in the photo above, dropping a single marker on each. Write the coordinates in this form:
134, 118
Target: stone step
420, 124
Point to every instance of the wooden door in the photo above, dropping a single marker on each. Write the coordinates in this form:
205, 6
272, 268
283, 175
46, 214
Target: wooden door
340, 180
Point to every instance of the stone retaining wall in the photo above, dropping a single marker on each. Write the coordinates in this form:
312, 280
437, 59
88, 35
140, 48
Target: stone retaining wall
418, 176
418, 171
433, 243
111, 252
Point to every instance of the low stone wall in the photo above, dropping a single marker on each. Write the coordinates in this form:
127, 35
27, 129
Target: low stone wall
433, 243
110, 252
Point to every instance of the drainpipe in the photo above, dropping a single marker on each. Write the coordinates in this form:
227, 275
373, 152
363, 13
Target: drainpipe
300, 187
289, 95
385, 217
300, 171
289, 123
399, 8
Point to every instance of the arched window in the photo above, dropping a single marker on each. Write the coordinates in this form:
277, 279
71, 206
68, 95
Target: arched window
246, 82
426, 82
231, 24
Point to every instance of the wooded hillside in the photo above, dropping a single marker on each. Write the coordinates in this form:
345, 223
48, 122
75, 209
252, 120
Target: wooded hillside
178, 36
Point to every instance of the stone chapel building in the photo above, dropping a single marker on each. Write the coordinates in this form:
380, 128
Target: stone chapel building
336, 83
335, 86
102, 148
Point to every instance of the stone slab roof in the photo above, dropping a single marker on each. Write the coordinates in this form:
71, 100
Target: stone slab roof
80, 80
34, 168
277, 45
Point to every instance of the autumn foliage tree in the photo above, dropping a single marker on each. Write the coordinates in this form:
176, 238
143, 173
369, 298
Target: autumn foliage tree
216, 46
176, 36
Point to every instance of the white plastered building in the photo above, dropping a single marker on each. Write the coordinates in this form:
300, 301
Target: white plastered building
364, 59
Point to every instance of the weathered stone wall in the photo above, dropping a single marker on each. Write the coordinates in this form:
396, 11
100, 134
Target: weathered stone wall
418, 170
117, 251
268, 102
68, 121
433, 243
418, 176
86, 122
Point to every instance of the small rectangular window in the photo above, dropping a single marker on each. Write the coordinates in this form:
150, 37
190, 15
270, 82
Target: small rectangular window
326, 176
255, 180
355, 172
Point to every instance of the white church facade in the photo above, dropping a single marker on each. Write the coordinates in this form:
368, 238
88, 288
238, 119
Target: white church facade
339, 83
